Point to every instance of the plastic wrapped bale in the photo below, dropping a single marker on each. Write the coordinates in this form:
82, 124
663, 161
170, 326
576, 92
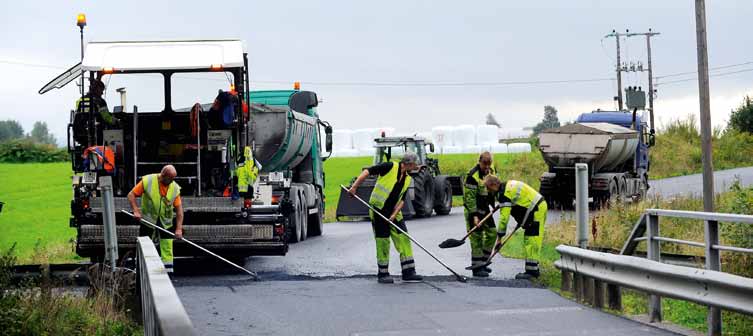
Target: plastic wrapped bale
464, 136
363, 139
486, 135
452, 150
499, 148
345, 153
473, 149
441, 136
342, 140
519, 147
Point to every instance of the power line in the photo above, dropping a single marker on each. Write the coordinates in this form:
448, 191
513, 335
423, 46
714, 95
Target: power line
712, 68
34, 65
714, 75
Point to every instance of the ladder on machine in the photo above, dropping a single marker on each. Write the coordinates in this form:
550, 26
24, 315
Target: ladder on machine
137, 163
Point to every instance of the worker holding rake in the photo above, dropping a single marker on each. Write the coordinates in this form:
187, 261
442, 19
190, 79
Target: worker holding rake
528, 207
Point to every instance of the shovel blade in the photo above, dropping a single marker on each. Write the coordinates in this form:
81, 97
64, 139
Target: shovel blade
450, 243
475, 267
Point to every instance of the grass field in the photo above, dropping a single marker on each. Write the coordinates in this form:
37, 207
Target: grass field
36, 210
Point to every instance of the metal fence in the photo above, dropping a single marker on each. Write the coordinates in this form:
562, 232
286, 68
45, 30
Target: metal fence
162, 310
588, 273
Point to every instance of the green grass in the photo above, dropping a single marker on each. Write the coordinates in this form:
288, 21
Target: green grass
36, 210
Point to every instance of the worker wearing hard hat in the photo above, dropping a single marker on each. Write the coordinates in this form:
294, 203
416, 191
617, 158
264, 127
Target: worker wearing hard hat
388, 197
160, 204
528, 208
477, 204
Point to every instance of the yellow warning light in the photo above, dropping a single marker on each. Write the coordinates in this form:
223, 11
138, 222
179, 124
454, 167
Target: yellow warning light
81, 20
296, 85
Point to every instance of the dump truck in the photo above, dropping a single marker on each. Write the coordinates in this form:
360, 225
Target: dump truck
206, 143
614, 145
429, 192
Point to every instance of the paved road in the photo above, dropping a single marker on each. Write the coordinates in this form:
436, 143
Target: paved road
326, 286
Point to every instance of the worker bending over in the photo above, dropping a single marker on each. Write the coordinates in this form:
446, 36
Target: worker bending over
160, 204
388, 198
528, 208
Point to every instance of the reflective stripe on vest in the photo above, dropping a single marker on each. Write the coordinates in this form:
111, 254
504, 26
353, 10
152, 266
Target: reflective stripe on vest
384, 185
480, 181
153, 205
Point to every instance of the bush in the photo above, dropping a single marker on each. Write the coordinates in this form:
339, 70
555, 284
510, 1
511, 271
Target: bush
24, 150
741, 119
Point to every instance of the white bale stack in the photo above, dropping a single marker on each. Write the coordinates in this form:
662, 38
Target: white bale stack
519, 147
464, 136
342, 140
499, 148
486, 135
363, 139
442, 137
452, 150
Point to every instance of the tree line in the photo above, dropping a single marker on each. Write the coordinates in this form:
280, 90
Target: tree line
39, 145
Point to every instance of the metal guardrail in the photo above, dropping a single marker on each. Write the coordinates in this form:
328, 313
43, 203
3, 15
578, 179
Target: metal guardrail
162, 310
591, 270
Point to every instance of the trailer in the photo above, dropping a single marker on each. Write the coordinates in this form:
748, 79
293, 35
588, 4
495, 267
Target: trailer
206, 144
615, 147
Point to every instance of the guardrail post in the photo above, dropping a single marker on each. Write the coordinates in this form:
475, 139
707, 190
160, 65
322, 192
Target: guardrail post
598, 294
581, 204
713, 262
588, 290
567, 281
108, 217
614, 294
578, 287
653, 253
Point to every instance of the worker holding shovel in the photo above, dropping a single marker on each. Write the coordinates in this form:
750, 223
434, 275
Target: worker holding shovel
529, 209
477, 204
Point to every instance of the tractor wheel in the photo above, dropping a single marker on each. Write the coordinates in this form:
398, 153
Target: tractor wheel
423, 193
442, 195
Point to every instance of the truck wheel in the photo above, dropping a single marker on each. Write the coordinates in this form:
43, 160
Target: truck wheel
315, 220
423, 192
304, 212
294, 221
442, 195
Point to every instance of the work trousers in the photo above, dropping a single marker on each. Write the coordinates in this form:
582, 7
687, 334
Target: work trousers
533, 237
383, 232
482, 240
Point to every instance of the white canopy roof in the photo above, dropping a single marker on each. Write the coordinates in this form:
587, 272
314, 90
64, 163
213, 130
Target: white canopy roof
162, 55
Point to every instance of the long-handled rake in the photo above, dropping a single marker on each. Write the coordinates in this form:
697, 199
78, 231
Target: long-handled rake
452, 242
457, 276
146, 222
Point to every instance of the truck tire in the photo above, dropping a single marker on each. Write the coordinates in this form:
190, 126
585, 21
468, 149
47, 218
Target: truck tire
294, 221
304, 212
442, 195
423, 193
315, 220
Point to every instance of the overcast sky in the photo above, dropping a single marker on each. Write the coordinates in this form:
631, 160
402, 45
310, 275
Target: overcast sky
337, 48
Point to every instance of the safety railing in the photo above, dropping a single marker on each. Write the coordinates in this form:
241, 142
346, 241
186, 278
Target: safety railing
595, 276
163, 313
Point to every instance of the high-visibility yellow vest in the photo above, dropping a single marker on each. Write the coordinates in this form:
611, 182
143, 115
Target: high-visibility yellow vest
153, 205
102, 110
383, 187
247, 171
475, 196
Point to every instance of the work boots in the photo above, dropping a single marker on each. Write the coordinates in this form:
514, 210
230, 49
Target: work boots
385, 279
411, 276
488, 269
480, 273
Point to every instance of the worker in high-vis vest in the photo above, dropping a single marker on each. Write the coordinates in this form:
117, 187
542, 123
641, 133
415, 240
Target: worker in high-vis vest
528, 208
388, 198
247, 173
93, 99
478, 203
160, 205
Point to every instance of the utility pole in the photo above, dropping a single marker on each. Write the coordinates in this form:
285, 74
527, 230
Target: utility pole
650, 79
616, 36
713, 262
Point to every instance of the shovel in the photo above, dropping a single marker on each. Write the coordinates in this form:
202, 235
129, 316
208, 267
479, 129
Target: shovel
452, 242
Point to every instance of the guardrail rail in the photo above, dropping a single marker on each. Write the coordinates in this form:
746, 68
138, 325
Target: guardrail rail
595, 276
163, 313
